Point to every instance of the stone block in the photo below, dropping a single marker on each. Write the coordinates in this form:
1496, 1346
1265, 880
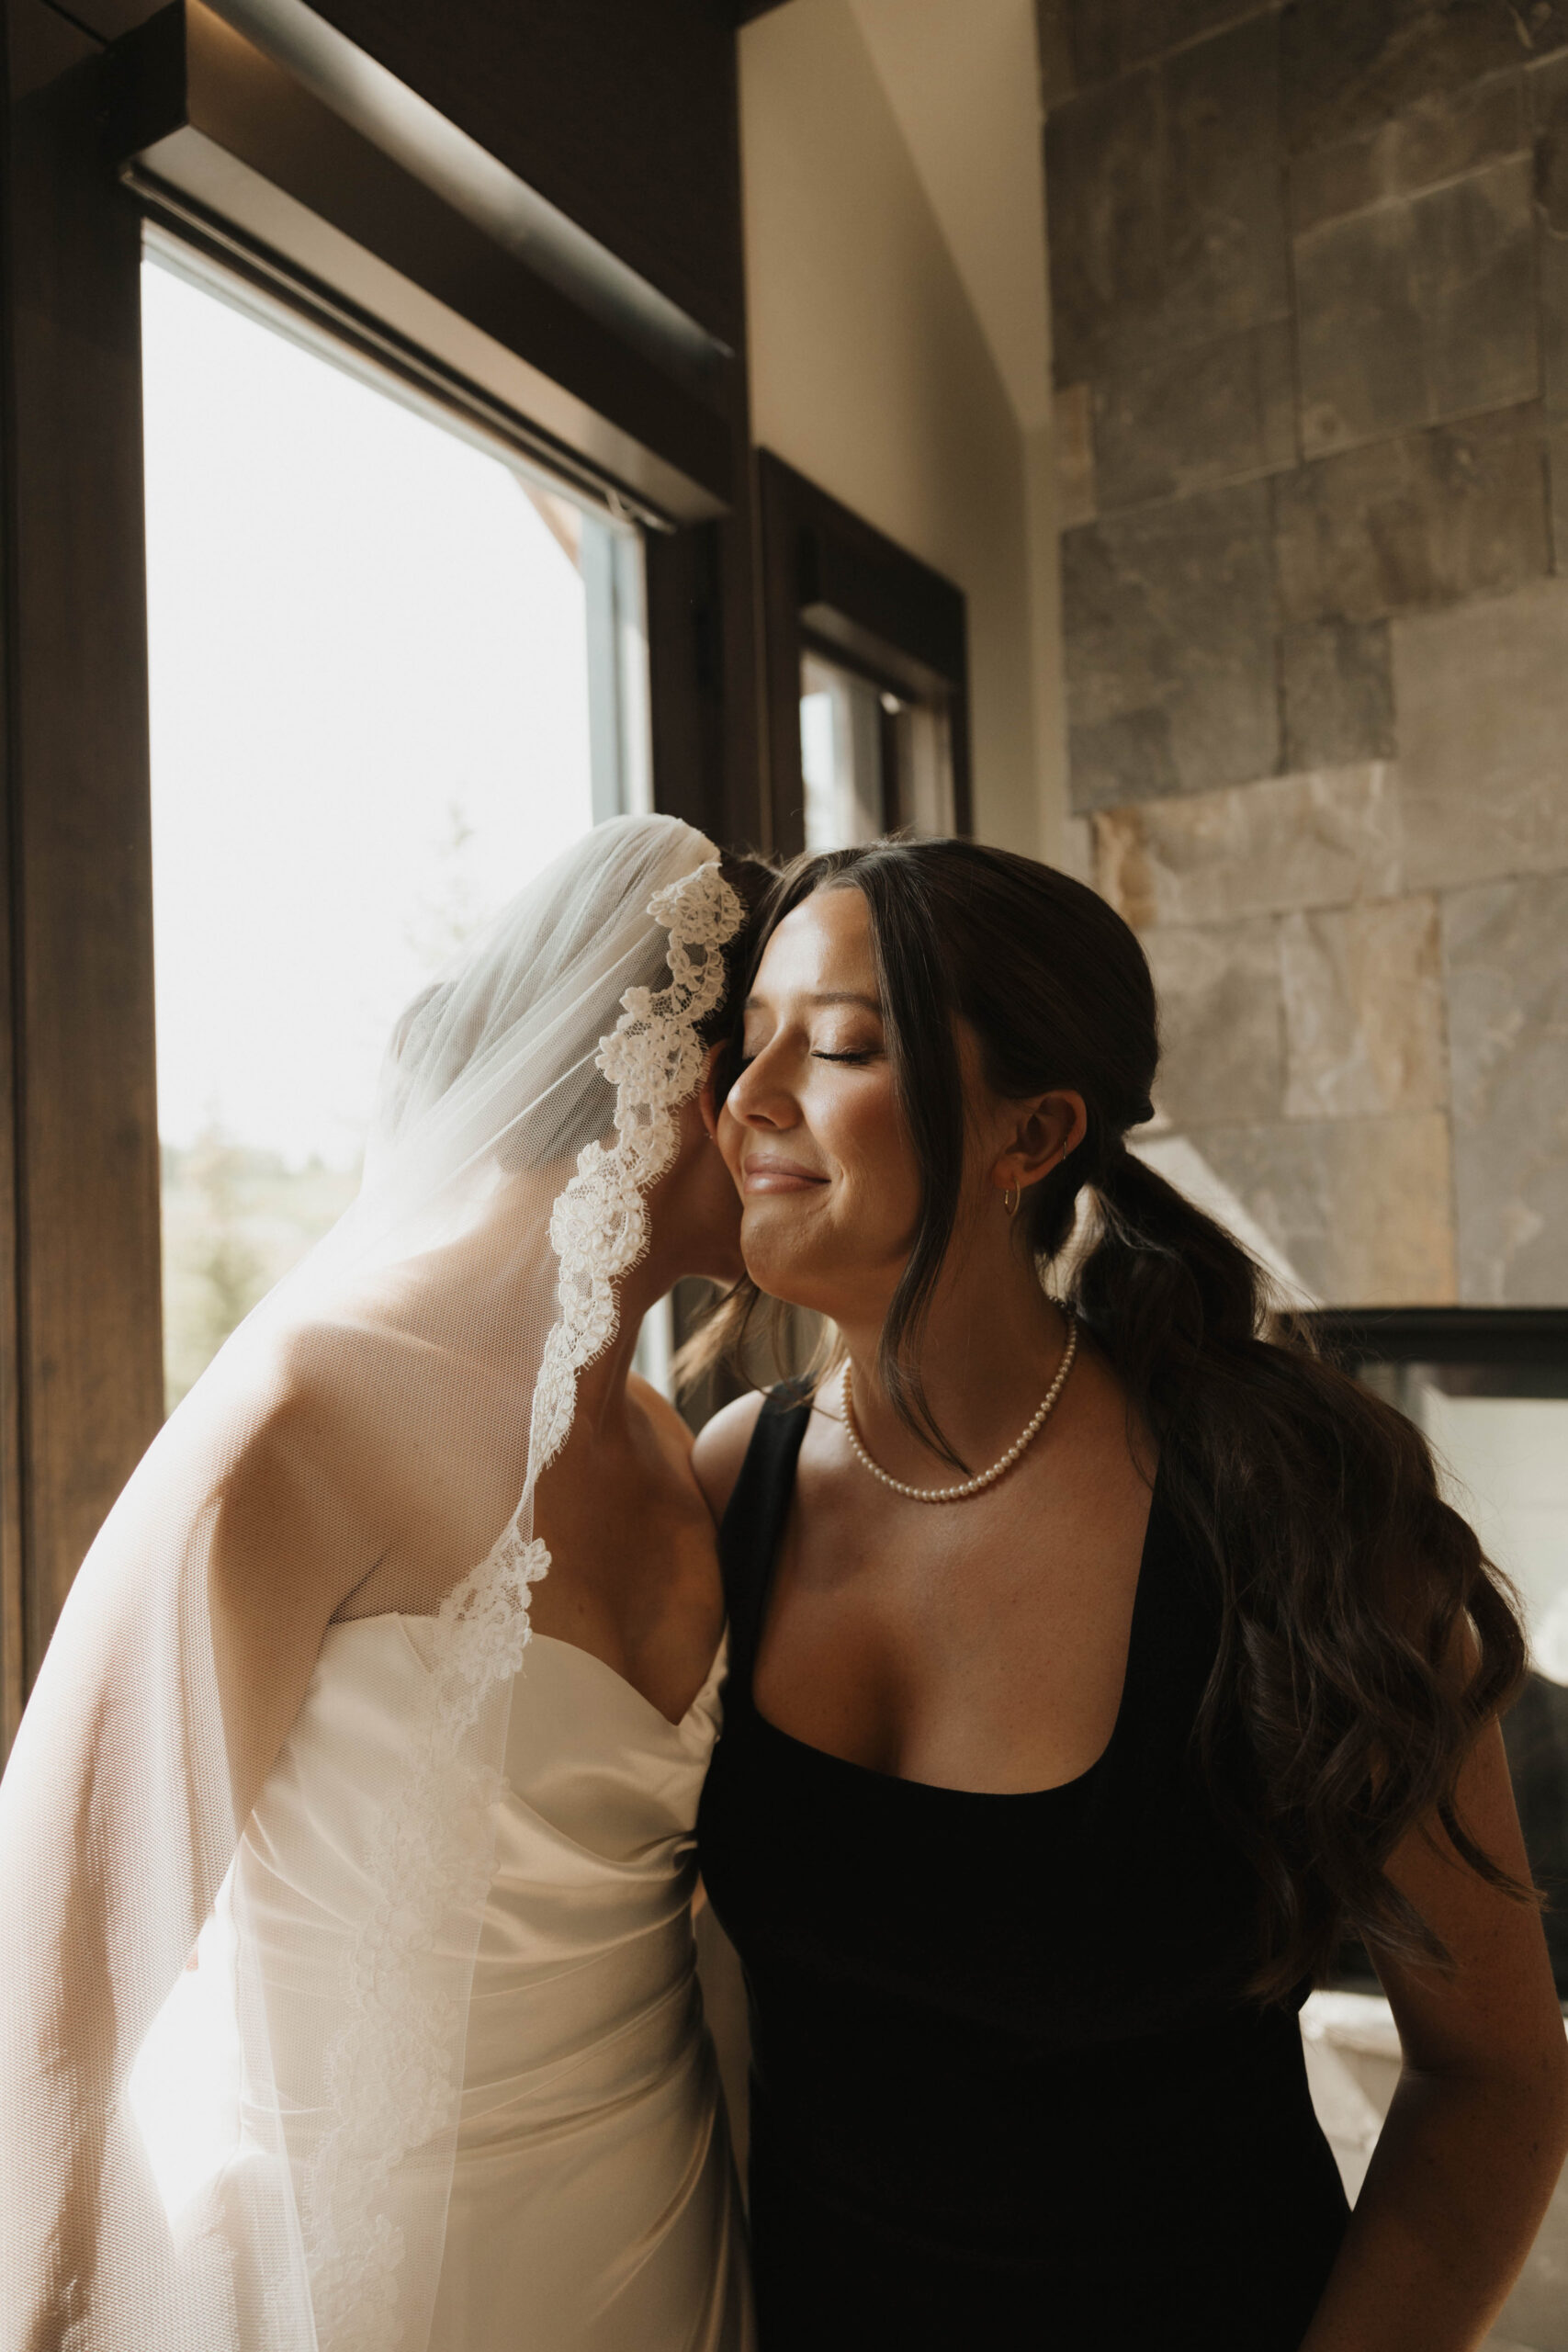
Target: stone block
1506, 958
1422, 519
1338, 693
1482, 693
1418, 310
1296, 841
1165, 197
1220, 1021
1179, 421
1110, 36
1361, 1209
1074, 457
1349, 66
1362, 999
1444, 133
1168, 625
1103, 187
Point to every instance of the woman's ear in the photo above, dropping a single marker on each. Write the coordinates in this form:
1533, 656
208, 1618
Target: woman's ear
1048, 1128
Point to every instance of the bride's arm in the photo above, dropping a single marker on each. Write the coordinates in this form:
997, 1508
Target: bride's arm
298, 1523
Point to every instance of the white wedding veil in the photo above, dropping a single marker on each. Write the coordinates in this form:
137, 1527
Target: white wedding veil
403, 1389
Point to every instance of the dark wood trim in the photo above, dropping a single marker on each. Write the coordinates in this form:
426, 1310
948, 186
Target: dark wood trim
704, 655
828, 578
704, 681
87, 1371
618, 112
206, 124
687, 672
1456, 1335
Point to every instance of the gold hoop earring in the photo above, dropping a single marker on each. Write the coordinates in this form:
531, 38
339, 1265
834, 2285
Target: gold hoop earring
1011, 1197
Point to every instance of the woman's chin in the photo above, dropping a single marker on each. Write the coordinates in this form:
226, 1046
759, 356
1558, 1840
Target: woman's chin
782, 1274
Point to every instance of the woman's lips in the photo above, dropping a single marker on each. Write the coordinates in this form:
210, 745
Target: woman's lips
772, 1175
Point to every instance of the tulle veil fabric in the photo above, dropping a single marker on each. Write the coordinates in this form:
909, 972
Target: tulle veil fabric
527, 1103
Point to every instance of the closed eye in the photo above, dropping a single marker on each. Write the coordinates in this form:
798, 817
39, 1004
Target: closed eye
867, 1054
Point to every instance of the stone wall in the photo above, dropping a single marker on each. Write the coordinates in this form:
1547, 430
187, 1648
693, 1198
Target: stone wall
1310, 300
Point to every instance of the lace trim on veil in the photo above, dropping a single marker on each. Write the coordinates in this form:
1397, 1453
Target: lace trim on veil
393, 2081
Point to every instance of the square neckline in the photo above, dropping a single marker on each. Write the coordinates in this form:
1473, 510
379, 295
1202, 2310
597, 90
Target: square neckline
750, 1646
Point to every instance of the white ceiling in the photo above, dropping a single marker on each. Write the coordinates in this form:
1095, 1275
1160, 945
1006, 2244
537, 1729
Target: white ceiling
962, 80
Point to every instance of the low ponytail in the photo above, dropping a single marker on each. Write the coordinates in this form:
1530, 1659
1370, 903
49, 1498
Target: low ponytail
1364, 1641
1345, 1581
1159, 1284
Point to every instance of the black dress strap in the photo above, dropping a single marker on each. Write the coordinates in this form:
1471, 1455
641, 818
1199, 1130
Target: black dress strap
753, 1523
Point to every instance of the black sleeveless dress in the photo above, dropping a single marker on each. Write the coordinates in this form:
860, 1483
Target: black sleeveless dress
1005, 2089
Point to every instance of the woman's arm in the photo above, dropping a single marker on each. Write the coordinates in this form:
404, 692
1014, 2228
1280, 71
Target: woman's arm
1478, 2128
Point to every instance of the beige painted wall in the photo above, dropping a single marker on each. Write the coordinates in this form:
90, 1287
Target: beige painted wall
871, 376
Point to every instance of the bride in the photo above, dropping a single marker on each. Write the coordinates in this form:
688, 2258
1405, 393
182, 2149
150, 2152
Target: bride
348, 1987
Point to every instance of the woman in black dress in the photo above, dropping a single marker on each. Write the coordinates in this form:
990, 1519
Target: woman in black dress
1096, 1665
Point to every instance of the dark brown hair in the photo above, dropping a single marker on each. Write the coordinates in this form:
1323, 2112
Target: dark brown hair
1339, 1710
751, 878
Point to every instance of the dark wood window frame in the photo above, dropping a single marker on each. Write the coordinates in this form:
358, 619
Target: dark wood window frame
833, 584
81, 1372
1529, 1340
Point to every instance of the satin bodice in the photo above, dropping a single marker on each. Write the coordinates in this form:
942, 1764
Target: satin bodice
592, 2203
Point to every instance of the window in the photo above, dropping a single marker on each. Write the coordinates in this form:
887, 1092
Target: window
841, 755
866, 664
871, 758
394, 669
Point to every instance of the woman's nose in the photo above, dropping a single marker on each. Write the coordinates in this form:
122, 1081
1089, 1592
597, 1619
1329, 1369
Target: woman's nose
756, 1098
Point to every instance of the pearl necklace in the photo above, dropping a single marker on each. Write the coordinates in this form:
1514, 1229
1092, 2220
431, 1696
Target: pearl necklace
986, 1478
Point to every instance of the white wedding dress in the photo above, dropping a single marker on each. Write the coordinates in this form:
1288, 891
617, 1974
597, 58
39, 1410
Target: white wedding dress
438, 2078
593, 2203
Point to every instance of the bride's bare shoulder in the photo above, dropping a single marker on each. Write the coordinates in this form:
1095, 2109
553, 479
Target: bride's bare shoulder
721, 1448
322, 1438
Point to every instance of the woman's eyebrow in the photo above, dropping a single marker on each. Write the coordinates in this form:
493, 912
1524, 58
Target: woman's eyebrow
823, 996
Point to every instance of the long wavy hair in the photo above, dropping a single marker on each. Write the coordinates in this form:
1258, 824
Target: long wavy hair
1364, 1640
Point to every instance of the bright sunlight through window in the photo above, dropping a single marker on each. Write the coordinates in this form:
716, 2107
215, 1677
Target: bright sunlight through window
374, 717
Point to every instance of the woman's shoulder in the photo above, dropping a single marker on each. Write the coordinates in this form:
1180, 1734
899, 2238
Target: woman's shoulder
671, 1430
724, 1443
721, 1448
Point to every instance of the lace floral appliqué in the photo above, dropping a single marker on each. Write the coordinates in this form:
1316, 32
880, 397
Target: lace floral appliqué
653, 1057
